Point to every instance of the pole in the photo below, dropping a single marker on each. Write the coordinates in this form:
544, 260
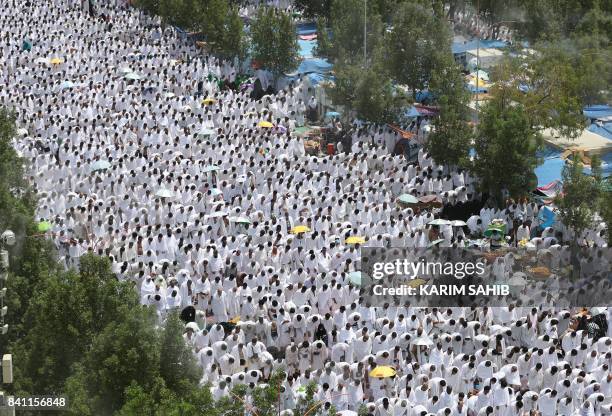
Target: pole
365, 33
477, 55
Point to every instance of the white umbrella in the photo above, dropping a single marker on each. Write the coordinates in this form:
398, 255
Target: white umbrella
458, 223
132, 76
164, 193
439, 221
482, 338
424, 341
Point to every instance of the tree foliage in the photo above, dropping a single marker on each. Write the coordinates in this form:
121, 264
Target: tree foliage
547, 84
347, 19
223, 28
366, 92
578, 203
451, 138
274, 44
505, 147
417, 45
314, 8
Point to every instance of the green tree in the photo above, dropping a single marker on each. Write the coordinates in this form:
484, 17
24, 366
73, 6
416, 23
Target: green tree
366, 92
505, 147
178, 365
578, 203
314, 8
274, 43
127, 351
547, 85
223, 28
63, 317
418, 44
347, 20
450, 140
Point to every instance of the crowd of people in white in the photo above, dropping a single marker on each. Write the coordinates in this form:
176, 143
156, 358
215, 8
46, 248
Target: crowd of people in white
193, 201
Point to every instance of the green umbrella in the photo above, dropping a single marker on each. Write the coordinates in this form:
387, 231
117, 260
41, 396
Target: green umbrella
407, 199
355, 278
435, 242
494, 228
240, 220
44, 226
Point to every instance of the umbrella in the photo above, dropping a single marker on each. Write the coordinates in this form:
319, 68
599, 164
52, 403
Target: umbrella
355, 239
132, 76
435, 242
281, 129
164, 193
439, 221
265, 124
299, 229
458, 223
331, 114
495, 228
347, 413
209, 168
170, 95
416, 282
208, 101
22, 132
240, 220
100, 165
41, 61
235, 320
383, 371
44, 226
206, 132
216, 191
193, 326
217, 214
423, 341
355, 278
66, 85
126, 70
482, 338
56, 61
407, 199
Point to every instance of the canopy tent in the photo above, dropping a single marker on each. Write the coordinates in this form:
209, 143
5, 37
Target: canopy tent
595, 112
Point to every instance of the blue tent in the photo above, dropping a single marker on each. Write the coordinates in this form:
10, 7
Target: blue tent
306, 48
316, 65
603, 129
307, 29
595, 112
546, 217
411, 112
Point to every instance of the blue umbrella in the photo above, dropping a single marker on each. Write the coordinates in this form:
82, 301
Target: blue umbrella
66, 85
100, 165
210, 168
412, 112
331, 114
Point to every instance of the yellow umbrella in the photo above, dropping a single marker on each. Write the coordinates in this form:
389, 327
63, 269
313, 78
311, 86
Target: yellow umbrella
235, 319
208, 101
416, 282
265, 124
383, 371
56, 61
355, 239
298, 229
